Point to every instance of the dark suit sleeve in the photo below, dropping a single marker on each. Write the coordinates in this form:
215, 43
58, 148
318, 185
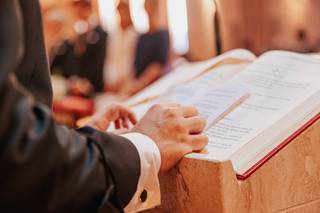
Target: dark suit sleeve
46, 167
33, 69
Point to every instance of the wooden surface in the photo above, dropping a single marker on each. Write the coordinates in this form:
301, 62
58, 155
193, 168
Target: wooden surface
201, 29
273, 24
289, 182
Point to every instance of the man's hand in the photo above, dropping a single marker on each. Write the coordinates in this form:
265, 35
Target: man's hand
115, 112
175, 129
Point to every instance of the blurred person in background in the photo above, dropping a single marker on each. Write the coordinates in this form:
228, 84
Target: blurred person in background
81, 56
53, 26
121, 47
47, 167
152, 52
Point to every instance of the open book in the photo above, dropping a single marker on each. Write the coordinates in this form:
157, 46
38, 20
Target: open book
284, 98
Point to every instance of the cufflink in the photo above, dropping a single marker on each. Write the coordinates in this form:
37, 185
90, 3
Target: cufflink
143, 196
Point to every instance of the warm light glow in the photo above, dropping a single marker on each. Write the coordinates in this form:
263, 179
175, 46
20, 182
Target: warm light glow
295, 10
108, 15
139, 15
177, 20
178, 25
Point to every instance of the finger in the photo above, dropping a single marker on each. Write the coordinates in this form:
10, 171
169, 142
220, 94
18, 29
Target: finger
189, 111
195, 124
172, 112
129, 114
132, 117
125, 123
117, 124
197, 142
112, 113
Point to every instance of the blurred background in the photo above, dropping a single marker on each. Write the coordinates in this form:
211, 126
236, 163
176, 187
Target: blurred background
252, 24
118, 47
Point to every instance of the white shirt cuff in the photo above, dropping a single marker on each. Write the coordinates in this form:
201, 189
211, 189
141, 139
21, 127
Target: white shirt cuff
148, 190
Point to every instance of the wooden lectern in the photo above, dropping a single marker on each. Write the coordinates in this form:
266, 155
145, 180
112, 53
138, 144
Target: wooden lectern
288, 182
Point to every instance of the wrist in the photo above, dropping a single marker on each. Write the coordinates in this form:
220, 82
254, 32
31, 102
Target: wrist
147, 142
148, 183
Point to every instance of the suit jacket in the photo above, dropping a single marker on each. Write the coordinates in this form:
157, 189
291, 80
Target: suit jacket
46, 167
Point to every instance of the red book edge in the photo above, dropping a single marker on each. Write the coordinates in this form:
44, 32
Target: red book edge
255, 167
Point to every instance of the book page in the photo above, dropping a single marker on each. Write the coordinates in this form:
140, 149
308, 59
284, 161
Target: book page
187, 71
278, 83
206, 82
212, 104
